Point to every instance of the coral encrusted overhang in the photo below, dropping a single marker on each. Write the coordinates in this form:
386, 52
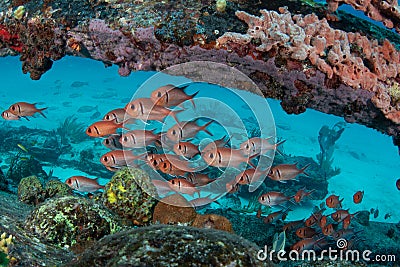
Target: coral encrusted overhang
304, 54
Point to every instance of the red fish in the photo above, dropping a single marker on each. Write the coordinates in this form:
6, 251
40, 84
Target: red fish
117, 159
258, 146
199, 179
323, 221
103, 128
223, 157
306, 244
328, 229
302, 194
339, 215
273, 199
185, 130
285, 172
24, 109
314, 218
155, 161
83, 184
346, 222
213, 145
306, 232
186, 149
358, 196
119, 115
7, 115
144, 109
183, 186
171, 169
249, 176
138, 138
292, 225
169, 95
276, 216
333, 201
112, 142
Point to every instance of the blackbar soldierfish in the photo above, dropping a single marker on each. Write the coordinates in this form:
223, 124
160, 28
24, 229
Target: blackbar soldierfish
273, 199
144, 109
183, 186
358, 196
138, 138
116, 159
103, 128
224, 157
83, 184
259, 146
169, 95
24, 109
333, 201
186, 149
185, 130
285, 172
119, 115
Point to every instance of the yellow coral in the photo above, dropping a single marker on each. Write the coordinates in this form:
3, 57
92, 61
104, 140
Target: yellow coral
394, 91
19, 12
121, 188
221, 5
5, 243
112, 198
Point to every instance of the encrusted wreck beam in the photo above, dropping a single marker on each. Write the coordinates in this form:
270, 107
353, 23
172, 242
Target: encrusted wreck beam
302, 60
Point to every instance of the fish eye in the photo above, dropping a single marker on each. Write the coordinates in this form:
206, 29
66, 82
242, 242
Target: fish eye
69, 181
125, 139
172, 182
180, 147
154, 162
132, 106
211, 155
165, 165
107, 142
173, 132
13, 107
89, 130
105, 158
159, 94
247, 146
262, 198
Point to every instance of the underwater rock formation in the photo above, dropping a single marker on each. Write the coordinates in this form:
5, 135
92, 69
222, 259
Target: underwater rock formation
30, 190
71, 221
130, 194
170, 246
305, 61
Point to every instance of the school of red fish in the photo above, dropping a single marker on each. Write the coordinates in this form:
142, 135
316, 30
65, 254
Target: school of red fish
175, 148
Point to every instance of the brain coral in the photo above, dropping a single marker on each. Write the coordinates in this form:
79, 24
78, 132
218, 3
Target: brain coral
130, 194
70, 220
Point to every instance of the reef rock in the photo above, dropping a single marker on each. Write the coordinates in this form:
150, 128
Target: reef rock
171, 246
177, 211
130, 194
69, 221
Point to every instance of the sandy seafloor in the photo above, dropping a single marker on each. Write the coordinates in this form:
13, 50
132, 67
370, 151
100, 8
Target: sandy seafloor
368, 160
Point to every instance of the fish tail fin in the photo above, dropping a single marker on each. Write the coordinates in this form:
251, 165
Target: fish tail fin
203, 128
191, 97
277, 147
41, 112
303, 170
